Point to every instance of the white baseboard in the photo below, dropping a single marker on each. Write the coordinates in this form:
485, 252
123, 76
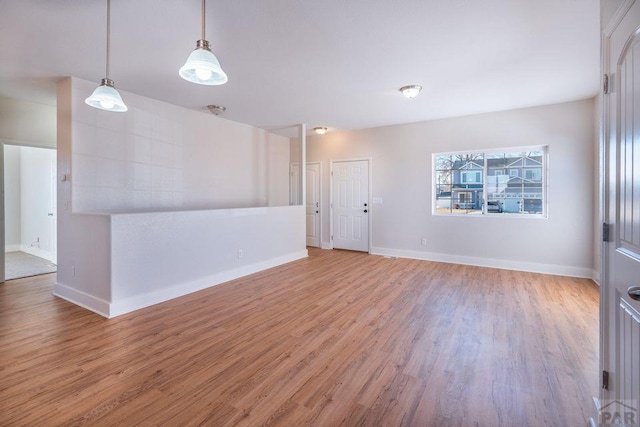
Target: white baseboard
595, 276
12, 248
559, 270
127, 305
37, 252
326, 245
90, 302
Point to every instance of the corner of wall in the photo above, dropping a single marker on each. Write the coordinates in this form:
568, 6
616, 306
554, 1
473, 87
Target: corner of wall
84, 300
83, 240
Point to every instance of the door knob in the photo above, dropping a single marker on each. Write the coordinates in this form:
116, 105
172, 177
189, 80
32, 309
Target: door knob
316, 211
365, 211
634, 292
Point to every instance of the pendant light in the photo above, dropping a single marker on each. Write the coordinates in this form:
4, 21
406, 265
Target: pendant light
202, 66
106, 97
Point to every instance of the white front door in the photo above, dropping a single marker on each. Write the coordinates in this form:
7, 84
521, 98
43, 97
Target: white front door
350, 205
621, 289
313, 204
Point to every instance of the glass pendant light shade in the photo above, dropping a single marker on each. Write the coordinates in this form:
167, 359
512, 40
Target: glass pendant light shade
202, 66
106, 97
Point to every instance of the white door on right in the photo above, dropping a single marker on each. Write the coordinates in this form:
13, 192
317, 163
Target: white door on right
621, 291
350, 205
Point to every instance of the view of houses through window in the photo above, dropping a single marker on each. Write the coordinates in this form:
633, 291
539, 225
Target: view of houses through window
511, 182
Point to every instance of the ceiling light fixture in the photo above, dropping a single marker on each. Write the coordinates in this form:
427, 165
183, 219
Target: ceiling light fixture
217, 109
202, 66
106, 97
410, 91
320, 130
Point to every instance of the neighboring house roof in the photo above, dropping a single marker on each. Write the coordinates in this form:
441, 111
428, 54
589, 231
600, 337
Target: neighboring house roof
525, 162
498, 163
471, 165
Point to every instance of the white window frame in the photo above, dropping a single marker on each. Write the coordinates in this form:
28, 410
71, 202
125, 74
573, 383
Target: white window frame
544, 181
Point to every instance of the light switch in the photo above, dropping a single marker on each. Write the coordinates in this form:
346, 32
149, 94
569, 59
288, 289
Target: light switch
377, 200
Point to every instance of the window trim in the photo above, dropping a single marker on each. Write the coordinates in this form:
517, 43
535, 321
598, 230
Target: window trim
476, 174
484, 213
531, 169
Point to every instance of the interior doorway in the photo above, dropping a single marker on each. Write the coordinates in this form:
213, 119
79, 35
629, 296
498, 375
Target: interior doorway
29, 214
313, 204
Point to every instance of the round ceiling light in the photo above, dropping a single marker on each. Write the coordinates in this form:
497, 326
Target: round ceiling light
320, 130
217, 109
410, 91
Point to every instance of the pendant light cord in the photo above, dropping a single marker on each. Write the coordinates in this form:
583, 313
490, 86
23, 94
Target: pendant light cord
203, 15
108, 34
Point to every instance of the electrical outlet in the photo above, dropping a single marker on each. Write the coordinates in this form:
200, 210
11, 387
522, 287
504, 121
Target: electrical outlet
239, 253
424, 241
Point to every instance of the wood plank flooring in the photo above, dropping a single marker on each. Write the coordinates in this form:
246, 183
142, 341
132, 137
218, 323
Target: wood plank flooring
340, 338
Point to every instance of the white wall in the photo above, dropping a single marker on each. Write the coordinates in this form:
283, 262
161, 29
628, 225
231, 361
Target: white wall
12, 197
151, 264
120, 261
402, 177
29, 123
159, 156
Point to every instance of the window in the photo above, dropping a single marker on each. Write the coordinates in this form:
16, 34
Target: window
533, 174
471, 177
491, 182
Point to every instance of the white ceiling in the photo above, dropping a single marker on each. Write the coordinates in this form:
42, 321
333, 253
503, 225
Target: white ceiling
331, 63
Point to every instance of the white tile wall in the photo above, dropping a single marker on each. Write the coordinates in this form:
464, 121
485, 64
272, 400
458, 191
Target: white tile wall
160, 156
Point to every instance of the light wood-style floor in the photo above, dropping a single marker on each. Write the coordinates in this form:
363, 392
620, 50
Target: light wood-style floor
340, 338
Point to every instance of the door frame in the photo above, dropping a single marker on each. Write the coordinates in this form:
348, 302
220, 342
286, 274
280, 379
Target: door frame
2, 231
319, 163
370, 193
3, 142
